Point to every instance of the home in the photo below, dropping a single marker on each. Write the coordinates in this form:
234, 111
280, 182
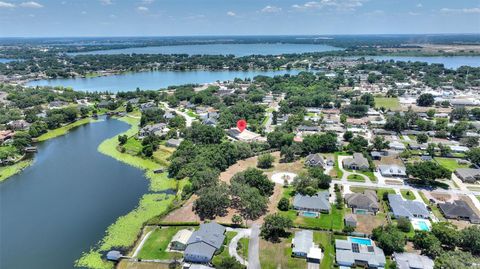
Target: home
308, 129
395, 145
377, 155
407, 260
360, 252
315, 160
147, 106
358, 162
18, 125
245, 136
203, 243
302, 246
5, 135
180, 239
468, 175
407, 208
351, 220
363, 203
392, 170
459, 210
57, 104
173, 143
459, 149
316, 203
158, 129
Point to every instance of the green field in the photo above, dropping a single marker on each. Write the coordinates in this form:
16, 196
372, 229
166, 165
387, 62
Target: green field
355, 178
243, 247
10, 170
156, 245
64, 129
450, 164
387, 103
407, 194
279, 255
323, 239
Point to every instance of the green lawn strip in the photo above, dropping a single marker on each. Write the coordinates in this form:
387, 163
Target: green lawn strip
331, 221
191, 113
157, 243
223, 251
64, 129
265, 120
370, 175
407, 194
387, 102
124, 232
450, 164
337, 166
243, 247
10, 170
133, 146
355, 178
323, 239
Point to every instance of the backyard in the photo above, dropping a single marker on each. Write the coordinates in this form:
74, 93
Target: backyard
407, 194
155, 246
387, 103
450, 163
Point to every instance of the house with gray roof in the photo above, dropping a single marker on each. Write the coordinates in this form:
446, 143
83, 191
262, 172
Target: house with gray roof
363, 203
412, 261
392, 170
302, 242
350, 220
204, 242
407, 208
315, 160
459, 210
316, 203
469, 175
357, 162
351, 253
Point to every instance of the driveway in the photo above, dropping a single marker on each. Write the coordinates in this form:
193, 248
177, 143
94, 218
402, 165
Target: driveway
312, 265
254, 249
347, 173
232, 247
188, 119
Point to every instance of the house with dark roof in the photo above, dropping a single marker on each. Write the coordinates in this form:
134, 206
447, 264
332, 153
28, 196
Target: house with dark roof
468, 175
357, 162
204, 242
315, 160
459, 210
407, 208
407, 260
316, 203
363, 203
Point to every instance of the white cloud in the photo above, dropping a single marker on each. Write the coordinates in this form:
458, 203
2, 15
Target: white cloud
231, 13
342, 5
271, 9
419, 5
142, 9
106, 2
6, 5
473, 10
31, 4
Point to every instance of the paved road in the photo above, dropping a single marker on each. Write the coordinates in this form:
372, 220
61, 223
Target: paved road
253, 248
232, 247
188, 119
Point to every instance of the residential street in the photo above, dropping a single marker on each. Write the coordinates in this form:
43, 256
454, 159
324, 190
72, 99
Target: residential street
253, 248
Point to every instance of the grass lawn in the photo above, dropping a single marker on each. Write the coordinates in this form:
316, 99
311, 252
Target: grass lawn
161, 155
370, 175
450, 164
10, 170
133, 146
478, 197
279, 255
355, 178
224, 250
64, 129
337, 168
387, 102
156, 245
323, 239
191, 113
243, 247
407, 194
331, 221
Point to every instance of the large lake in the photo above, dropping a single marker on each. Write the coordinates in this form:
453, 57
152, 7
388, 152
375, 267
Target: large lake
5, 60
62, 204
153, 80
451, 62
221, 49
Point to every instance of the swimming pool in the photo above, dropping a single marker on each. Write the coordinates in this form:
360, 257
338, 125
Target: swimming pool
361, 241
309, 214
423, 226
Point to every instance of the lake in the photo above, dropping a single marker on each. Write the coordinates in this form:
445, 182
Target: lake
153, 80
221, 49
62, 204
451, 62
5, 60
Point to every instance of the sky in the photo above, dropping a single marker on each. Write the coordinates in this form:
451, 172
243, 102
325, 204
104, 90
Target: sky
71, 18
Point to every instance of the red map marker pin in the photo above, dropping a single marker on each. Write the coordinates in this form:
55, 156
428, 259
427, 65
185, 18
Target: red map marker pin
241, 125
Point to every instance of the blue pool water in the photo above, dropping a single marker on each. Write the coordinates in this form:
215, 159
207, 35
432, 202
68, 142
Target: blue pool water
423, 226
361, 241
309, 214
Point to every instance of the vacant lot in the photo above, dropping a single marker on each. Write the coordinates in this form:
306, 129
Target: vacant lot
450, 163
387, 103
278, 255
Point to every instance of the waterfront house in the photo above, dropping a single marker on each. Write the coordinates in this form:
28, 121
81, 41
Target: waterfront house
407, 208
316, 203
363, 203
17, 125
157, 129
357, 162
204, 242
180, 239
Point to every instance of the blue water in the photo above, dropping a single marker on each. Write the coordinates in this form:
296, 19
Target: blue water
423, 226
361, 241
451, 62
153, 80
5, 60
309, 214
218, 49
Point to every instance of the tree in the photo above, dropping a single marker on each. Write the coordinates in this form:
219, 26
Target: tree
431, 113
396, 123
456, 260
422, 138
255, 178
283, 204
265, 161
212, 202
122, 139
21, 140
204, 134
474, 155
404, 225
274, 227
471, 239
305, 185
459, 129
229, 263
319, 143
425, 99
147, 150
323, 180
427, 243
204, 177
471, 141
237, 219
459, 113
389, 238
129, 107
444, 150
431, 149
358, 144
447, 233
427, 172
379, 143
347, 136
343, 118
248, 200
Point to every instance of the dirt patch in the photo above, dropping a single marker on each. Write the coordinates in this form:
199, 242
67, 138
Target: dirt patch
391, 160
444, 197
183, 214
366, 223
